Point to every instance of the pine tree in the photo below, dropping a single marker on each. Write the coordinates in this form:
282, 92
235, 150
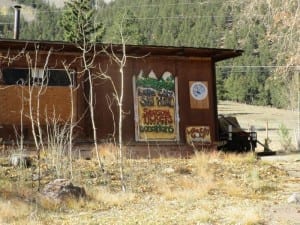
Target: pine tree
125, 22
266, 31
79, 22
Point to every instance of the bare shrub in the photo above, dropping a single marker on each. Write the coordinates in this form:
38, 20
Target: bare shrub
58, 134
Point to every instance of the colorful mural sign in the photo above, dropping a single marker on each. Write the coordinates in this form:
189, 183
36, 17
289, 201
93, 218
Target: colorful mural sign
155, 107
198, 134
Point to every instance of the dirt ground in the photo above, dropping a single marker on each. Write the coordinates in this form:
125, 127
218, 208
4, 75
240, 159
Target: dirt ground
263, 117
282, 212
210, 188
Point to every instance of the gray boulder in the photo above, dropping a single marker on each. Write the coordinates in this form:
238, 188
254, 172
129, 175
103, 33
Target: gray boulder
62, 189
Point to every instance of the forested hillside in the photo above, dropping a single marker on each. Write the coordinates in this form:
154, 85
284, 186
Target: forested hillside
268, 32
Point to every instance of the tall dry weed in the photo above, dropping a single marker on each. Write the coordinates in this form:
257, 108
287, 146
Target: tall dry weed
232, 188
243, 214
236, 159
202, 164
102, 195
107, 151
258, 185
182, 187
13, 211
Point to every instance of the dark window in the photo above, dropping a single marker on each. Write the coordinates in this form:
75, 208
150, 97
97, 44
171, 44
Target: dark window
60, 78
12, 76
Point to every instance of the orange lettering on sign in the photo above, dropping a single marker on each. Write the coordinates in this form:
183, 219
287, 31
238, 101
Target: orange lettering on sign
157, 116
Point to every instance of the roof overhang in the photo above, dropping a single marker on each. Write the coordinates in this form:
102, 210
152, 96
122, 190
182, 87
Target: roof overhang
216, 54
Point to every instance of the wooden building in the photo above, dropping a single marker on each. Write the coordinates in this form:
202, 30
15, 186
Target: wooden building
169, 92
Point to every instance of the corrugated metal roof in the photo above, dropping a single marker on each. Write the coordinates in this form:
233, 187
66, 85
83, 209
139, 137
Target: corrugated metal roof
216, 54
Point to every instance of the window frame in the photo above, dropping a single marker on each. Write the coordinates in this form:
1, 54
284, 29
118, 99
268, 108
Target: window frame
39, 76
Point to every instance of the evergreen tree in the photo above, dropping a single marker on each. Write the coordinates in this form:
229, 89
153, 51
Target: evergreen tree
125, 22
45, 25
79, 23
268, 65
6, 27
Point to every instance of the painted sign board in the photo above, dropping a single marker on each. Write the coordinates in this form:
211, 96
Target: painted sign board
199, 98
198, 134
156, 108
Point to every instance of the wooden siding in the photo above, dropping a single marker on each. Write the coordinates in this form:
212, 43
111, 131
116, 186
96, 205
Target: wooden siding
185, 70
186, 64
53, 100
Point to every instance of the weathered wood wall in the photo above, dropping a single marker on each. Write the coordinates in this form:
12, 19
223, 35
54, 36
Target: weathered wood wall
54, 102
184, 69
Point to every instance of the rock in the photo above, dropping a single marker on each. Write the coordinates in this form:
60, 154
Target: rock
61, 189
21, 160
168, 170
294, 198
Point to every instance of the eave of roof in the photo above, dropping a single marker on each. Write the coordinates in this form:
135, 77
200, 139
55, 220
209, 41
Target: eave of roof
216, 54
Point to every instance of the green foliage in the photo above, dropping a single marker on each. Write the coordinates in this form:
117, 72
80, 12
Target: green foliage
277, 92
6, 26
235, 87
156, 84
79, 24
269, 42
45, 26
285, 138
220, 88
125, 24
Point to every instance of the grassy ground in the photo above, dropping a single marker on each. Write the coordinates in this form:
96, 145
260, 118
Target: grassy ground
209, 188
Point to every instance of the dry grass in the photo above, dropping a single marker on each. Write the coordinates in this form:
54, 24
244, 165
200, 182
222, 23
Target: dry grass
194, 181
248, 158
233, 189
107, 151
201, 215
202, 161
182, 188
204, 189
258, 184
103, 196
13, 210
208, 188
243, 214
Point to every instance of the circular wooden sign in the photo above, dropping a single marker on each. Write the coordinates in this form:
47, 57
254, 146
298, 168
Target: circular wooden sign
198, 90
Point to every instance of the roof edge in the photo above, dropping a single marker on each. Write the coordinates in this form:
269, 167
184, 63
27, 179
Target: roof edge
217, 54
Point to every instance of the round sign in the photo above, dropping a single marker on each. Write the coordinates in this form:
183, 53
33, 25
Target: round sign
198, 91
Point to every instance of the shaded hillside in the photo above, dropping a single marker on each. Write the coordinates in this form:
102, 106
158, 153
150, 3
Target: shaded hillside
268, 32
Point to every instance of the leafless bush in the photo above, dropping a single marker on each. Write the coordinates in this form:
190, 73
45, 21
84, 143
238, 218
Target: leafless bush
58, 134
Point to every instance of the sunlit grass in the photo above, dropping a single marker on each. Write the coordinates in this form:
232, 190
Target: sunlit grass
193, 190
13, 210
243, 215
102, 195
107, 152
241, 158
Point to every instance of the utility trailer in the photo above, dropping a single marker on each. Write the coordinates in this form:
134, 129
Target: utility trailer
233, 137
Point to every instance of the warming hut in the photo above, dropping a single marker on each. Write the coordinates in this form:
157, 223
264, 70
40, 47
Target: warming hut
169, 92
